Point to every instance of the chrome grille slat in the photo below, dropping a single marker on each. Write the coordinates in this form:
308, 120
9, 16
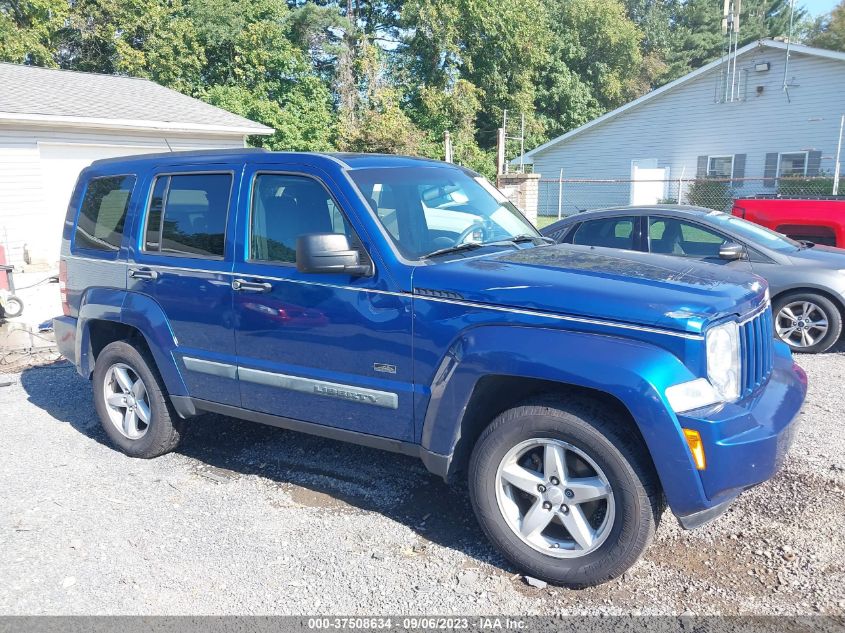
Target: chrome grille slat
756, 343
745, 346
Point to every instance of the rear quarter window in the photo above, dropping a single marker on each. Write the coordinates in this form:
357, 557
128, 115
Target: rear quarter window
102, 214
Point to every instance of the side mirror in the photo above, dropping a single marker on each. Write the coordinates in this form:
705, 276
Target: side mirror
328, 253
731, 251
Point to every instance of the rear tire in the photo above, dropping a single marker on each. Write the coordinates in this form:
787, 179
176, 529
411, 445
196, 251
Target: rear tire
798, 320
132, 402
600, 457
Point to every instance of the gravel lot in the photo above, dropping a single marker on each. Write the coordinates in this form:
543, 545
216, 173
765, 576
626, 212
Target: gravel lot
246, 519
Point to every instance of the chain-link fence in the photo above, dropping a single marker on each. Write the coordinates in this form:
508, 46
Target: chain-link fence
561, 197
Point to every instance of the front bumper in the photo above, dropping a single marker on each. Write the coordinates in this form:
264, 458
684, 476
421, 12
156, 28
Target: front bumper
746, 442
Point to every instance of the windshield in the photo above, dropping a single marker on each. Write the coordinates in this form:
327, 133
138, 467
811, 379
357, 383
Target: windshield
428, 209
755, 233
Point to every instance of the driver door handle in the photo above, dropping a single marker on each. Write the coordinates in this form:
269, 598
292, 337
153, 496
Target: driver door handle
142, 273
242, 285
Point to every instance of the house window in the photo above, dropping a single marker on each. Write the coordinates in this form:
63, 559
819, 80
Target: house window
792, 164
720, 166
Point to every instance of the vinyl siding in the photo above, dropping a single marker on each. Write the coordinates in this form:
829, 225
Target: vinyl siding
26, 217
685, 122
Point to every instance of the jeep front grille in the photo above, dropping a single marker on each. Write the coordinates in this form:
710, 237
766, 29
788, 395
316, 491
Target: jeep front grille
756, 343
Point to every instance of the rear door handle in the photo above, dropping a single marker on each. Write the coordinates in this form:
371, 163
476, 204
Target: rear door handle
242, 285
143, 273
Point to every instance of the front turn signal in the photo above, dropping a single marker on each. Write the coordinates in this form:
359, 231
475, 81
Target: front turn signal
696, 447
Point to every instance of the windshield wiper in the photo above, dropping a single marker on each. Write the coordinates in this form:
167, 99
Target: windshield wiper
523, 237
455, 248
467, 246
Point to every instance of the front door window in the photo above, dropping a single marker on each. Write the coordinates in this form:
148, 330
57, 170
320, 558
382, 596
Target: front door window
285, 207
670, 236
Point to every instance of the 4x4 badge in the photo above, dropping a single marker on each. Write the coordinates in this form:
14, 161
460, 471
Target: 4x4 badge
385, 368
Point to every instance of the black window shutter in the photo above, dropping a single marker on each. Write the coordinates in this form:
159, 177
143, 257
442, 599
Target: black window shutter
739, 169
814, 163
702, 167
770, 172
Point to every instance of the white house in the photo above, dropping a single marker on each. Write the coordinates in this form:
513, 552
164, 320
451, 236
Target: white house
773, 112
53, 123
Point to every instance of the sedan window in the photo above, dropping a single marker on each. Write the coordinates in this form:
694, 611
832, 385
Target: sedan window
670, 236
617, 232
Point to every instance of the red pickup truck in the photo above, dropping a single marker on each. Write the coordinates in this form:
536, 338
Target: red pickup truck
820, 220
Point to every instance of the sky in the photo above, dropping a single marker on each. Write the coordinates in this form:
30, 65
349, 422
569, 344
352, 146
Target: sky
817, 7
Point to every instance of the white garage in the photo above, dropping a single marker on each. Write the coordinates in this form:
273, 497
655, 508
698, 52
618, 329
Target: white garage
53, 123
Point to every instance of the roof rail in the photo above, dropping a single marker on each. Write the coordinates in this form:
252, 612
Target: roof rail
184, 154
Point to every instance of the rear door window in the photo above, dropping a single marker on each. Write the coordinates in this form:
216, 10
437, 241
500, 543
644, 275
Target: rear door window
102, 215
187, 215
617, 232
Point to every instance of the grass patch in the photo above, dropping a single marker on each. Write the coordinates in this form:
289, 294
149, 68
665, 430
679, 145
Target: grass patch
544, 220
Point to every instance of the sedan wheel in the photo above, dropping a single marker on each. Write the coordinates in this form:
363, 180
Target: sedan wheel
808, 322
802, 324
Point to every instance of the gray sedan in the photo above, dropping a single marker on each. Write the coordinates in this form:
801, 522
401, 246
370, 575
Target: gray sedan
806, 280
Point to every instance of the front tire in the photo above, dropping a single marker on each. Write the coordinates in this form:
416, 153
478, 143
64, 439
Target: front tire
132, 403
808, 322
564, 491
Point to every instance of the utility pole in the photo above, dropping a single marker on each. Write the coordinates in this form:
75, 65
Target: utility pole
504, 142
560, 196
522, 143
788, 47
447, 146
500, 151
836, 167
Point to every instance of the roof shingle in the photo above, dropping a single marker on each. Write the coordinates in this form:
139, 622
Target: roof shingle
47, 92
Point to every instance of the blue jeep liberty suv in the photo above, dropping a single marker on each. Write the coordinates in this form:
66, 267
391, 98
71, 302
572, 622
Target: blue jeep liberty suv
405, 304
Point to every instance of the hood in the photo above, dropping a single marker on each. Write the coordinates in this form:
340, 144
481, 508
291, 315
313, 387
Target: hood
601, 283
818, 255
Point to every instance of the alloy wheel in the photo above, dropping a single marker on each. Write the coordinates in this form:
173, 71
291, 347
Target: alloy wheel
555, 498
127, 401
801, 324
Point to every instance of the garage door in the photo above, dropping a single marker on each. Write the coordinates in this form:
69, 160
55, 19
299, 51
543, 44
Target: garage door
60, 167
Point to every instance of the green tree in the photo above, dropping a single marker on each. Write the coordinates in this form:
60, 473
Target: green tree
697, 33
154, 39
375, 120
595, 63
654, 18
498, 46
28, 30
454, 110
254, 69
828, 31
